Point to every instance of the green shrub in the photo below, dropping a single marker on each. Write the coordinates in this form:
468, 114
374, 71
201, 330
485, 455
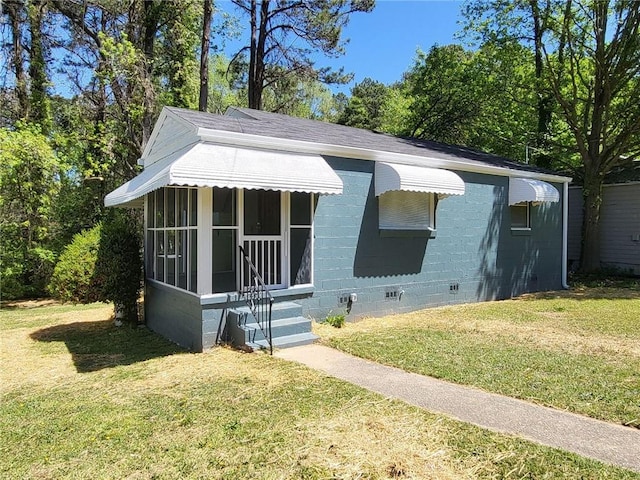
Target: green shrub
119, 264
74, 277
336, 320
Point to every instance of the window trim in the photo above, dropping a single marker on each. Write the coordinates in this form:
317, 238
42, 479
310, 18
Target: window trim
288, 227
404, 231
528, 206
238, 227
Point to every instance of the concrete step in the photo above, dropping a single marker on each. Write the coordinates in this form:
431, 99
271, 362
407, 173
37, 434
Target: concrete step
285, 342
288, 327
280, 310
284, 326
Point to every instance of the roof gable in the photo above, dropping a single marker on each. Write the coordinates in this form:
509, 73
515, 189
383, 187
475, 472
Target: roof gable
170, 134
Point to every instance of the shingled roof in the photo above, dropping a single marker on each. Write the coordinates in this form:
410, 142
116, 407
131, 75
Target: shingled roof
279, 126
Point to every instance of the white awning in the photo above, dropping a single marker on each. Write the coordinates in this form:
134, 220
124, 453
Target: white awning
391, 176
530, 190
210, 165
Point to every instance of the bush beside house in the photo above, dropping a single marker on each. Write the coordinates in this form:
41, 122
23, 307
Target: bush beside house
74, 278
119, 263
103, 264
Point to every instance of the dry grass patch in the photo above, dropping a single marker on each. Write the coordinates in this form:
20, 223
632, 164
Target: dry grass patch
550, 330
91, 411
84, 399
398, 445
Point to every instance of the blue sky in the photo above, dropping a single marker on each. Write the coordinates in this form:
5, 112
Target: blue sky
382, 44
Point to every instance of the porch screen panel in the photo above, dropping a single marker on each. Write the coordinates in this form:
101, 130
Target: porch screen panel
224, 252
183, 207
151, 210
149, 236
181, 259
300, 256
170, 211
159, 203
193, 261
149, 251
170, 259
261, 212
300, 238
193, 210
224, 260
171, 233
159, 270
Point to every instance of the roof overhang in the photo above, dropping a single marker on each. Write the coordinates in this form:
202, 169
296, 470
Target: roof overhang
390, 176
291, 145
212, 165
531, 190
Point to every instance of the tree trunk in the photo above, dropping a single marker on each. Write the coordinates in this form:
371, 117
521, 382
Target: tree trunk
544, 98
596, 164
39, 109
253, 47
126, 313
12, 9
592, 195
204, 55
152, 14
257, 52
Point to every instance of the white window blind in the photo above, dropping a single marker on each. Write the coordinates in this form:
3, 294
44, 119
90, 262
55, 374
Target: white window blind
401, 210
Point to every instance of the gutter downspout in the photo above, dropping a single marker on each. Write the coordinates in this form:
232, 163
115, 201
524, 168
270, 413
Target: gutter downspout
565, 232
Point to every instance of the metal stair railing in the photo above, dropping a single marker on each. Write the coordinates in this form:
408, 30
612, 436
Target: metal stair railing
256, 294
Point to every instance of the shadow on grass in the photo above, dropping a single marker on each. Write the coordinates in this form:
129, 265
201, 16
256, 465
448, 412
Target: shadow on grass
28, 304
582, 293
603, 280
595, 286
95, 345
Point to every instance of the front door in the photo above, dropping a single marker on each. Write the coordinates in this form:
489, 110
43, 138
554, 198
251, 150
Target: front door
263, 238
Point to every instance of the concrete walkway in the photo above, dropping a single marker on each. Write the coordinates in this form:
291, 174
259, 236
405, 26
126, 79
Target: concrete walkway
602, 441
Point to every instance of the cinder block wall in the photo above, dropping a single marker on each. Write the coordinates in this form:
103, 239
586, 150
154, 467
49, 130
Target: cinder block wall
474, 249
174, 314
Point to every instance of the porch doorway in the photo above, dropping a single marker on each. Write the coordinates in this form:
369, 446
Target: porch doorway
263, 236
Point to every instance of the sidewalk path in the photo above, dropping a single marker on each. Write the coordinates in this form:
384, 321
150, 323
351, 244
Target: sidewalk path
602, 441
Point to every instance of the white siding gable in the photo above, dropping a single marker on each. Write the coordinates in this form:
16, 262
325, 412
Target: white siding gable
170, 135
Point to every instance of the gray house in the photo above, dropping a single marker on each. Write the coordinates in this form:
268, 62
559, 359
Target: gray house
249, 208
619, 228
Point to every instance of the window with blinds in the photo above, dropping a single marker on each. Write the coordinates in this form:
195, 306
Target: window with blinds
402, 210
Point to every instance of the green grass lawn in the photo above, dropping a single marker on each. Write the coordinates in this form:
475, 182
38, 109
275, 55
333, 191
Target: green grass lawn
576, 350
84, 399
